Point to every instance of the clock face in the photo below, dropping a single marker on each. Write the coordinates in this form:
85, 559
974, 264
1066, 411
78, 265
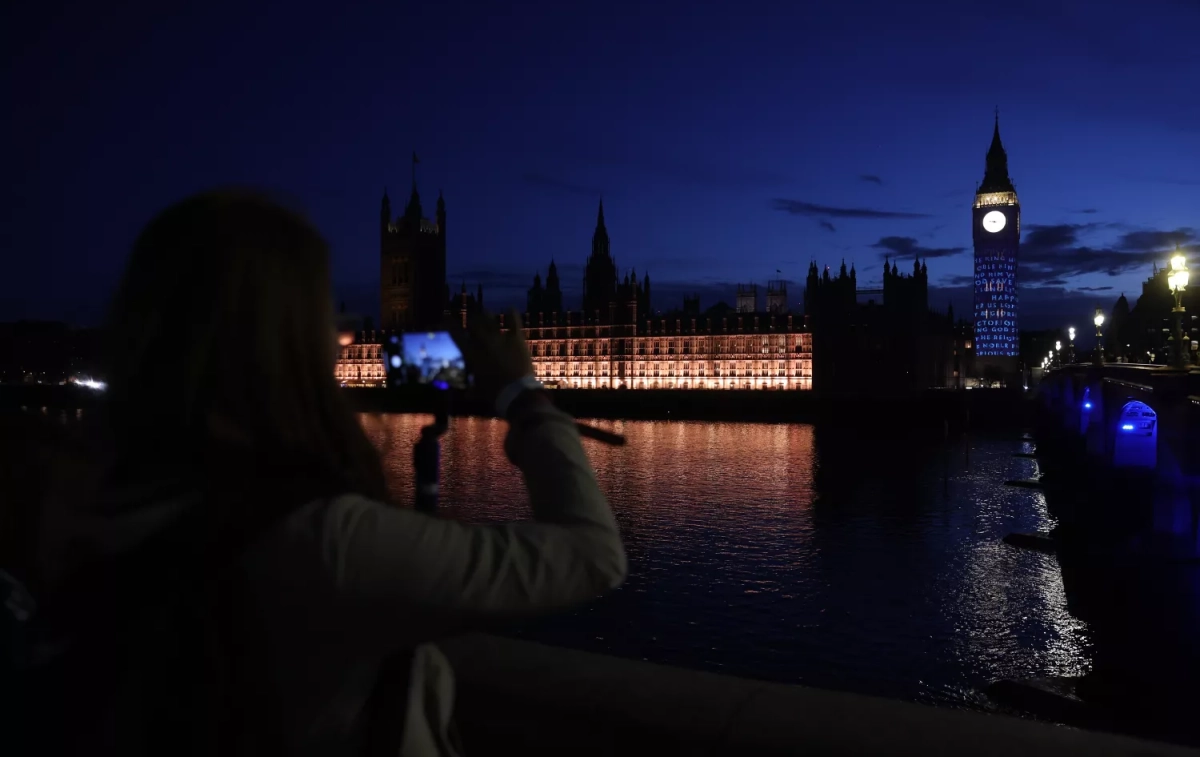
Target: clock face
994, 221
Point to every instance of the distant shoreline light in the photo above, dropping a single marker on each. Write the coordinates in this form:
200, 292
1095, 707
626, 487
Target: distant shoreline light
98, 386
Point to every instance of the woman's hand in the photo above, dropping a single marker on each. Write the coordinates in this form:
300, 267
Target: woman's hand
496, 358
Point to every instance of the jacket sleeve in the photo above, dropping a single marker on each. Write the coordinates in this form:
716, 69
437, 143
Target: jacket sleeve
450, 573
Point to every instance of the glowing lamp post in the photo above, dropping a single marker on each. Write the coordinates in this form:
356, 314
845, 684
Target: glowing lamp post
1071, 343
1177, 280
1099, 321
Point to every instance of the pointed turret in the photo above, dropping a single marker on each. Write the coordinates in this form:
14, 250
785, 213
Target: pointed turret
535, 298
385, 211
995, 177
412, 211
600, 278
600, 243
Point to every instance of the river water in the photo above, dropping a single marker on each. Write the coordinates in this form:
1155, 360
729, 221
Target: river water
866, 563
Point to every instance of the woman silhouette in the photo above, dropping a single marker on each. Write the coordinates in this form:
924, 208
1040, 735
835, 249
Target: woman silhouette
232, 457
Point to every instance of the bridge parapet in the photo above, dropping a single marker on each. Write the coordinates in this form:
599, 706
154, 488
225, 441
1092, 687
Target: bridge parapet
1140, 426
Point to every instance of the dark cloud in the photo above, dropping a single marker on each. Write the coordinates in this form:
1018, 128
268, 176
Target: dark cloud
1093, 289
961, 280
493, 279
907, 247
1157, 241
1055, 282
1086, 211
870, 178
668, 295
514, 280
1053, 253
504, 290
828, 226
801, 208
551, 182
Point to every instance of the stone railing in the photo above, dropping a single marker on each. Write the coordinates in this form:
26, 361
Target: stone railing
518, 697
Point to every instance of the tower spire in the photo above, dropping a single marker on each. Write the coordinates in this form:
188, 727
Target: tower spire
600, 237
995, 176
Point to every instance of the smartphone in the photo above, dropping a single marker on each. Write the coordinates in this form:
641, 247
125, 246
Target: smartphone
428, 358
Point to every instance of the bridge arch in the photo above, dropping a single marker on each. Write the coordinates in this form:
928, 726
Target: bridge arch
1087, 408
1135, 444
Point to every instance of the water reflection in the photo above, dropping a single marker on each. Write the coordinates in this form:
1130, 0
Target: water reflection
822, 556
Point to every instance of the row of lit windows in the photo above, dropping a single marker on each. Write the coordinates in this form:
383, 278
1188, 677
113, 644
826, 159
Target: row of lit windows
985, 199
724, 361
575, 369
764, 383
588, 349
362, 352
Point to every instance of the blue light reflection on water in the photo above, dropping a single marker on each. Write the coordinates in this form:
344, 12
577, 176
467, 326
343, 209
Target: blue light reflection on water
775, 552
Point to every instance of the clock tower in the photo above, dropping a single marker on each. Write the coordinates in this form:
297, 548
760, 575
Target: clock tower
996, 230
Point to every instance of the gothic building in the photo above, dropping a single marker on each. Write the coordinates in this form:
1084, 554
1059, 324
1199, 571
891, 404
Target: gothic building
897, 345
615, 342
412, 254
1145, 332
413, 292
546, 299
996, 230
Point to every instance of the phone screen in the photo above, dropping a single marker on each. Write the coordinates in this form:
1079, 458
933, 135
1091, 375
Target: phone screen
426, 357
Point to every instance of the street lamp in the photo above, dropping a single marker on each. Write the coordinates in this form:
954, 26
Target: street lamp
1099, 321
1071, 343
1177, 280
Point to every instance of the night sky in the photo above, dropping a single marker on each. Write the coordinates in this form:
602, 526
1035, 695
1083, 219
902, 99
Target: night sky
728, 140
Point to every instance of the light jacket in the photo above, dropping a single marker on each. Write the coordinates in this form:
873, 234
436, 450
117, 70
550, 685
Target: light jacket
342, 585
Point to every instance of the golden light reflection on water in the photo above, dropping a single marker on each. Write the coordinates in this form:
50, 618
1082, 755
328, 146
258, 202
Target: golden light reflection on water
885, 574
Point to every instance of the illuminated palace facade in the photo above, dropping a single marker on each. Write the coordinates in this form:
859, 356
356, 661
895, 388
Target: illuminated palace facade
996, 230
614, 342
731, 352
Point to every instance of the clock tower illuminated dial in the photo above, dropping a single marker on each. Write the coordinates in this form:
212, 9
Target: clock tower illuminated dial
994, 221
